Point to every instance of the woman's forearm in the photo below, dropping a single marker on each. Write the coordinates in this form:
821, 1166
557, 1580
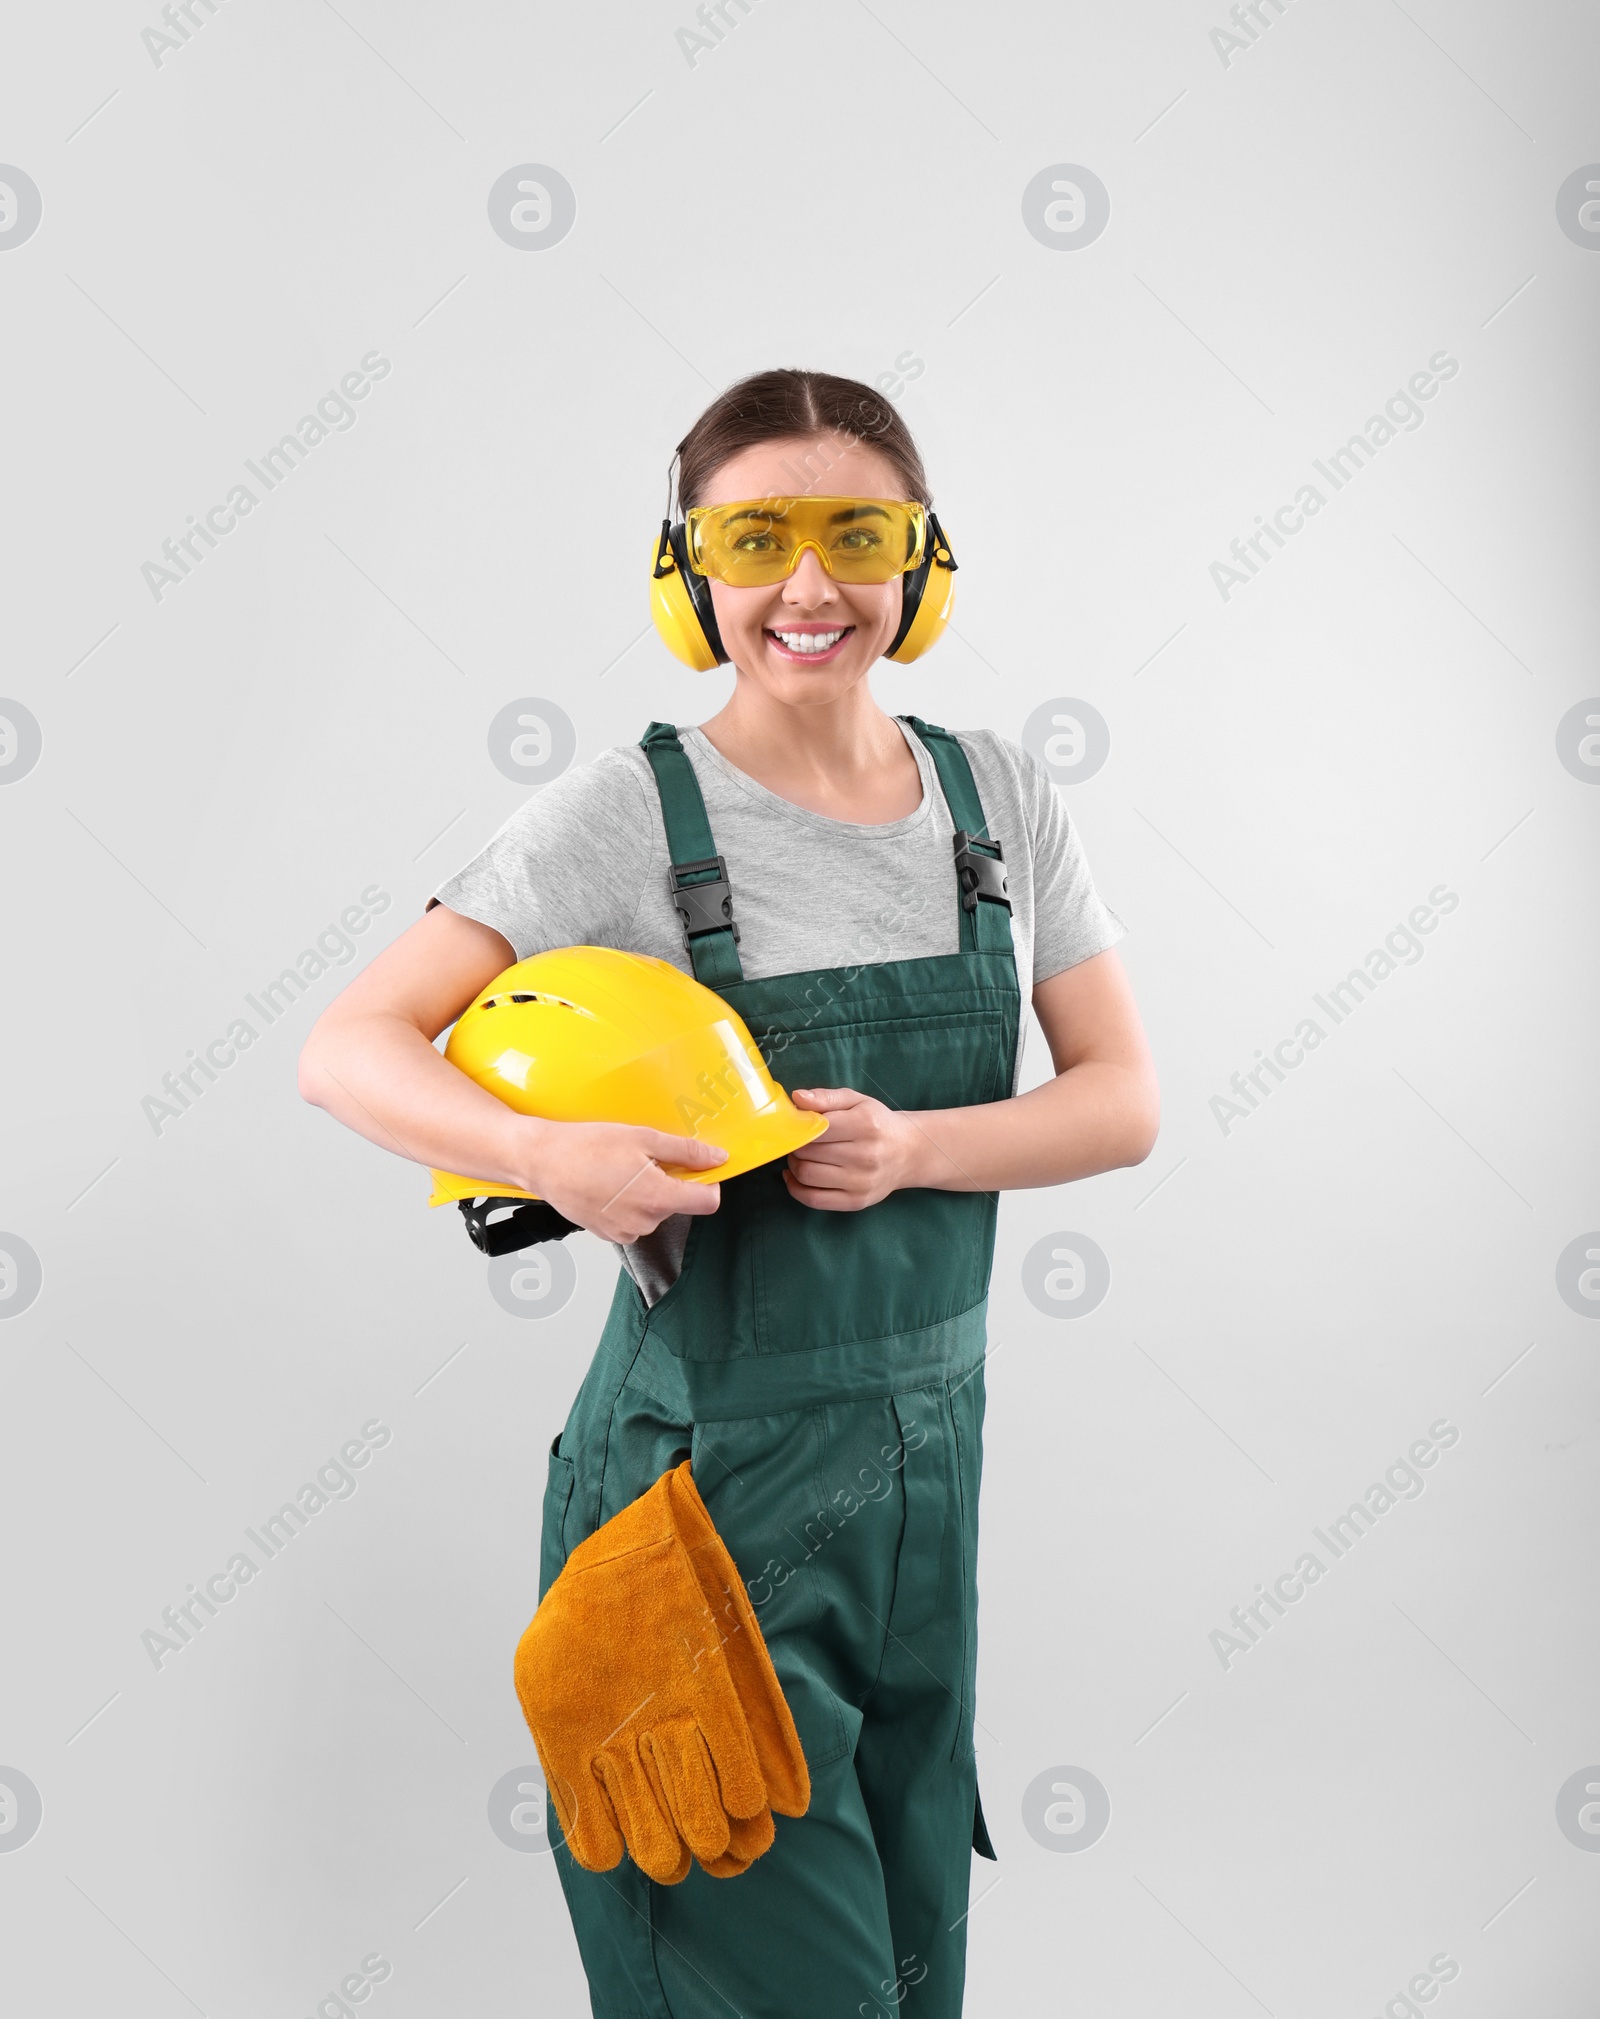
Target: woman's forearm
375, 1071
379, 1075
1097, 1116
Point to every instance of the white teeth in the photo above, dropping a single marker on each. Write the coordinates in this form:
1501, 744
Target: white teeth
809, 641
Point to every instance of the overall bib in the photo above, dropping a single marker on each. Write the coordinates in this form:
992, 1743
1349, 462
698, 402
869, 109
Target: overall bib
823, 1372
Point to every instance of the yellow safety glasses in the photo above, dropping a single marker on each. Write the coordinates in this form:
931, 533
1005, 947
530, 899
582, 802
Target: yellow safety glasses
759, 541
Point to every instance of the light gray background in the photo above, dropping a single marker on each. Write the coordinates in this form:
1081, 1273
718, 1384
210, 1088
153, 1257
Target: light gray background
1292, 234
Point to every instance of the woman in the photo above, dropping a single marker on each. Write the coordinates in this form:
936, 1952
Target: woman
810, 1335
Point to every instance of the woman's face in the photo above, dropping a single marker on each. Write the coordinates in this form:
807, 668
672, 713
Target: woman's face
855, 620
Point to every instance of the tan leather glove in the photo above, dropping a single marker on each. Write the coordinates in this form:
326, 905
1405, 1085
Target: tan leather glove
632, 1678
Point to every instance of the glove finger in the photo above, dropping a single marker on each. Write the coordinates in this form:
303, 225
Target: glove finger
559, 1791
741, 1785
679, 1765
748, 1837
651, 1837
680, 1870
590, 1827
780, 1759
594, 1844
587, 1823
663, 1803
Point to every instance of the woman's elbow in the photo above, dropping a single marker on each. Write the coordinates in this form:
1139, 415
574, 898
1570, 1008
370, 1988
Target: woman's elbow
1141, 1119
312, 1076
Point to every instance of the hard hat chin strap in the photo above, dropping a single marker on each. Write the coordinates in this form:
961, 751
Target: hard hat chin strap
527, 1222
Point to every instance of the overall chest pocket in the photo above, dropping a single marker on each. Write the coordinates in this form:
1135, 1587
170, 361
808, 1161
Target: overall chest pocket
915, 1258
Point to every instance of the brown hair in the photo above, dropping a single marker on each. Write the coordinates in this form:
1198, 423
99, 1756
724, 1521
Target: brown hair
778, 405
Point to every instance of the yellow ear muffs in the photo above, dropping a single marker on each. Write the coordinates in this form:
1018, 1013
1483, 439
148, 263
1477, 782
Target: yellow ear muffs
929, 595
680, 604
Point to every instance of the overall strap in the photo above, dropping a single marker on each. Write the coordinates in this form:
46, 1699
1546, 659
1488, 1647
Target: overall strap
697, 876
979, 859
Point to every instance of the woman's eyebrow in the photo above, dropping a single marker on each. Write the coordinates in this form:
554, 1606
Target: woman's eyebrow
857, 512
750, 512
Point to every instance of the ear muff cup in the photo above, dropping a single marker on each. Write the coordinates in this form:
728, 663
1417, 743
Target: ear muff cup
929, 595
680, 604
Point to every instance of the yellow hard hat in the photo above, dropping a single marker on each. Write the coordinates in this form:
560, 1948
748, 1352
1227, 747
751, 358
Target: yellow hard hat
588, 1034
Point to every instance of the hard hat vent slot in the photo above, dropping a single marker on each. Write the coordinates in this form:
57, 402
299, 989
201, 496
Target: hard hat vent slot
536, 995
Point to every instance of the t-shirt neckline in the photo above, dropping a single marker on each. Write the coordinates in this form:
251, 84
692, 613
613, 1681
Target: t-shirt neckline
774, 802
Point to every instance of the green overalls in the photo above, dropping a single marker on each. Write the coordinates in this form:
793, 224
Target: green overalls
824, 1374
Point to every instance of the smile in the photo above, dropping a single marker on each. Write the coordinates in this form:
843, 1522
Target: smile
809, 644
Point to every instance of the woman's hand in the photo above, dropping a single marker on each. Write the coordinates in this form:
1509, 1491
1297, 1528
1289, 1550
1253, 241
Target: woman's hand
370, 1061
868, 1152
607, 1176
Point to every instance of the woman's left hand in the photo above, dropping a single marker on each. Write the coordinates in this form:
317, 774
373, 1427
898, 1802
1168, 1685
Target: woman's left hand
866, 1153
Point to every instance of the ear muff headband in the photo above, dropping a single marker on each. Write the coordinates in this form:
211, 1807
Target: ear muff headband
682, 610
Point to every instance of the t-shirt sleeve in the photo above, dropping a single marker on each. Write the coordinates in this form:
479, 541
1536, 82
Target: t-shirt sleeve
570, 866
1070, 921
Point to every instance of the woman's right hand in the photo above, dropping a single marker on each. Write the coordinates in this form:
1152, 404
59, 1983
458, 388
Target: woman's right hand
607, 1176
370, 1060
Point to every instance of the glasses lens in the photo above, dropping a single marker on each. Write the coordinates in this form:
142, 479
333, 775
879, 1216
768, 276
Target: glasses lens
866, 540
747, 544
756, 543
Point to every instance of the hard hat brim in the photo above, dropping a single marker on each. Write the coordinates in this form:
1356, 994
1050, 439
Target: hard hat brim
766, 1138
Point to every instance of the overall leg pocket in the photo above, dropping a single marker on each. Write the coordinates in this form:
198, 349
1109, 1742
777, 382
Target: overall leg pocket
557, 1498
966, 1405
924, 1456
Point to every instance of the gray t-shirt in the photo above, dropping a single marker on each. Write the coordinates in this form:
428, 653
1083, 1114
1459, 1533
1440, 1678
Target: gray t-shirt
584, 863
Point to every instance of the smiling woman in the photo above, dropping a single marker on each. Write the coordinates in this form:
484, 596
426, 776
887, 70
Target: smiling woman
801, 1330
822, 438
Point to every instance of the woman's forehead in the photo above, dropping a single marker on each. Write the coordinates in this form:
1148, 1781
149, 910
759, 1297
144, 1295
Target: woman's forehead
829, 464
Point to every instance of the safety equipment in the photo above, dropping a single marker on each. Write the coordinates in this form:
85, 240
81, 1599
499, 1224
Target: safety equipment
591, 1034
659, 1732
759, 541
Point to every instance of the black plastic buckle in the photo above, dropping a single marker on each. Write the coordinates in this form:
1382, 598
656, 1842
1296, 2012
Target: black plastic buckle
980, 875
703, 907
525, 1224
939, 546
